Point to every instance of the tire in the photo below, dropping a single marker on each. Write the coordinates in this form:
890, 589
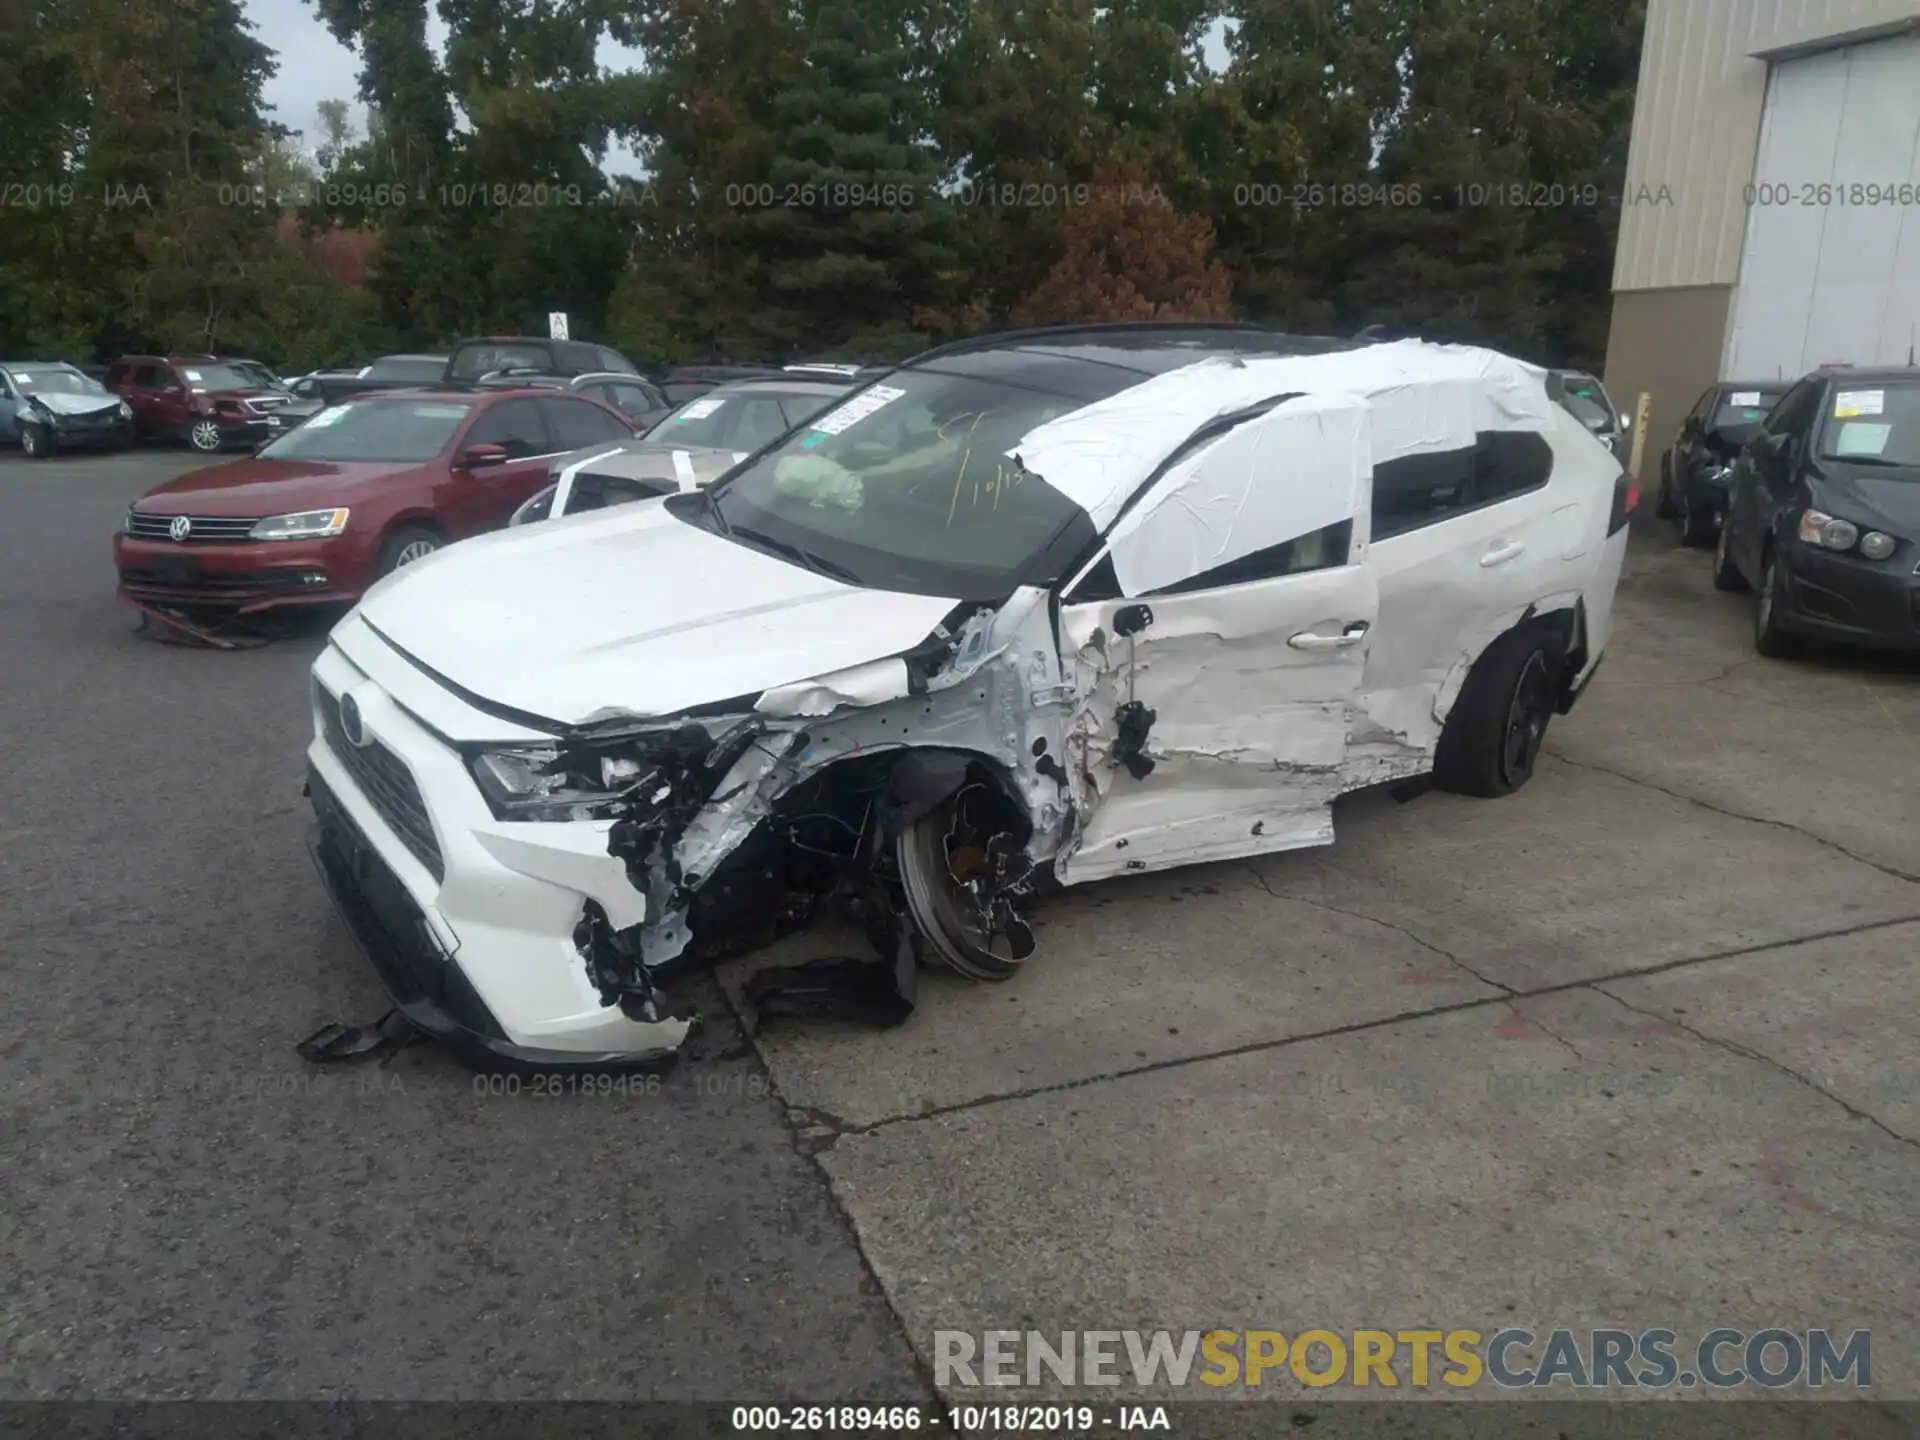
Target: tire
1493, 735
1726, 574
205, 436
1768, 638
406, 545
35, 442
937, 901
1669, 507
1696, 527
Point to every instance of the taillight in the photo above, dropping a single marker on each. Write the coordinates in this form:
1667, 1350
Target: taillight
1626, 499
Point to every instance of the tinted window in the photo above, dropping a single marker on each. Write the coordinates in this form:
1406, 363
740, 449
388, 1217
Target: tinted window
1417, 490
576, 423
1795, 413
1509, 462
635, 400
515, 425
470, 362
614, 360
574, 358
1319, 551
401, 367
152, 377
390, 430
1702, 405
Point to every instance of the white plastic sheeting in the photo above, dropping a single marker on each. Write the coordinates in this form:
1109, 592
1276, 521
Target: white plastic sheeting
1424, 398
1302, 466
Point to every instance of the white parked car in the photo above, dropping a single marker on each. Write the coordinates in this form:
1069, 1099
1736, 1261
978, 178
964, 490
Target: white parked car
1029, 610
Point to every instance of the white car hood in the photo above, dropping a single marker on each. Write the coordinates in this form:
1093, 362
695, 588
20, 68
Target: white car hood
631, 612
66, 402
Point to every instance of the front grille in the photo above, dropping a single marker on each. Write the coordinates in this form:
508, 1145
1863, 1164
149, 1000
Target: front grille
383, 777
206, 529
387, 922
268, 402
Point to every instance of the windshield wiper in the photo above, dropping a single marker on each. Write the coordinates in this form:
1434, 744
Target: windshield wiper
798, 554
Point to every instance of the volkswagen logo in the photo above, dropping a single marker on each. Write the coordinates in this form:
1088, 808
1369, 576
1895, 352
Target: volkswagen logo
180, 528
351, 724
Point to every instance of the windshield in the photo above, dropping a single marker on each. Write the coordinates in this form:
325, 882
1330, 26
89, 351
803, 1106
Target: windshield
220, 376
257, 373
396, 368
380, 430
1588, 411
1743, 407
906, 486
56, 380
739, 419
470, 362
1875, 423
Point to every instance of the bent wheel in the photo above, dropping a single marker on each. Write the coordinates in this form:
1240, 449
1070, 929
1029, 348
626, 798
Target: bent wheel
946, 860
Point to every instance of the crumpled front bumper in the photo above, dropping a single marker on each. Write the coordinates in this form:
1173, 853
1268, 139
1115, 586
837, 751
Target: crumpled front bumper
475, 941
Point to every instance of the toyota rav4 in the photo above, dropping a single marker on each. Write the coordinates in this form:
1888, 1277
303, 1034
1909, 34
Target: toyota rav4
1026, 611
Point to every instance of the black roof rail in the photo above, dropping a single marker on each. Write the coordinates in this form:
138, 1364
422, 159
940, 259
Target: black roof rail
996, 339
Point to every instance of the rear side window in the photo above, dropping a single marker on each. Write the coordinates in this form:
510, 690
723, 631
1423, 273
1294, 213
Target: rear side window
515, 425
470, 362
597, 492
635, 400
615, 361
577, 423
1419, 490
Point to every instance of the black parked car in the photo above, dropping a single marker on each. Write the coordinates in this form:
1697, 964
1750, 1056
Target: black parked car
313, 393
1823, 513
1694, 469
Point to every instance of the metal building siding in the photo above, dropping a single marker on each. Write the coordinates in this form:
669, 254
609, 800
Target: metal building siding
1696, 128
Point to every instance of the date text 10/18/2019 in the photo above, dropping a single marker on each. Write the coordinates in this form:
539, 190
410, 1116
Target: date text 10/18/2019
945, 1419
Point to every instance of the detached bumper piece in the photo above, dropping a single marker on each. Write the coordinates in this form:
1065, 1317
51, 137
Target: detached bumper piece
428, 990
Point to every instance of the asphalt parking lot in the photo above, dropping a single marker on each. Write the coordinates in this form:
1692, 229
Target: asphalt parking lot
1635, 1047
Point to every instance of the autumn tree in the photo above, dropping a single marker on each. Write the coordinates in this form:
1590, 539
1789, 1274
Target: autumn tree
1127, 254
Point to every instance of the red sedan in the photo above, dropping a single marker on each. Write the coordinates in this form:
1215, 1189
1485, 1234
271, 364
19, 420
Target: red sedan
359, 490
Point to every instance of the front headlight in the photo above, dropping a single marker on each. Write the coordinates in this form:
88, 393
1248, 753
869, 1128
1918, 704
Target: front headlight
536, 784
1828, 533
1876, 546
303, 525
126, 525
126, 411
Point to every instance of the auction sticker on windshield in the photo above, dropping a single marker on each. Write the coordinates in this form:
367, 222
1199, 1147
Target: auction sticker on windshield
698, 410
857, 409
1858, 439
1744, 399
329, 417
1849, 403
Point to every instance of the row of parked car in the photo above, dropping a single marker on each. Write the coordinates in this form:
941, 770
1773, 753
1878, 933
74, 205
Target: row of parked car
213, 403
1809, 492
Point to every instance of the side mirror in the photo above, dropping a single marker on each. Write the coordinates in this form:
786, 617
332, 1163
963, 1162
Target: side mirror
478, 457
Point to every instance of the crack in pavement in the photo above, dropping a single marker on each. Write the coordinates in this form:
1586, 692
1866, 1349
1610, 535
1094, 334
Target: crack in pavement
1537, 1023
1419, 940
1734, 1047
1708, 805
1358, 1027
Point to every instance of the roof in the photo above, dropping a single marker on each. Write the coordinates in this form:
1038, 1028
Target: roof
786, 385
1906, 374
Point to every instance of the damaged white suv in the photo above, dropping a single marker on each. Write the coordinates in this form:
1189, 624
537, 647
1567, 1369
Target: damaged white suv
1030, 610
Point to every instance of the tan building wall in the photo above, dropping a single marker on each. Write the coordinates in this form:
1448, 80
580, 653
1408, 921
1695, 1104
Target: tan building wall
1696, 130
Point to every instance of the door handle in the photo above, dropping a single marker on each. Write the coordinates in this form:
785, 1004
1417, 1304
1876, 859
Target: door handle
1351, 636
1501, 552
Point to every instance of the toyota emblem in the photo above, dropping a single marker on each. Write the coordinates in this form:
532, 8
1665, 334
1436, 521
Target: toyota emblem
350, 723
180, 528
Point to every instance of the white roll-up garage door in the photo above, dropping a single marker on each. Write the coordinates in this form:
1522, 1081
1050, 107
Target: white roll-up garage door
1830, 273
